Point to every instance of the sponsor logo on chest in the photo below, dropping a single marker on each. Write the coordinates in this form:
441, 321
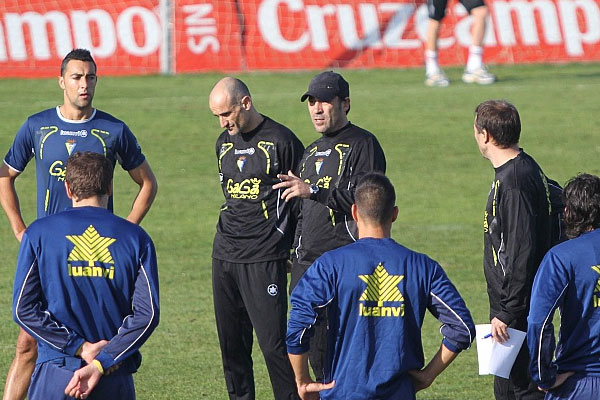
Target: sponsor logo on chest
80, 133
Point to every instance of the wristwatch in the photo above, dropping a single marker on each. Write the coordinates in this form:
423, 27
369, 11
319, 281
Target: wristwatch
313, 189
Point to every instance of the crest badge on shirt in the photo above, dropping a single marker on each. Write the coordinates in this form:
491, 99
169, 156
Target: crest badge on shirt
318, 165
241, 162
70, 145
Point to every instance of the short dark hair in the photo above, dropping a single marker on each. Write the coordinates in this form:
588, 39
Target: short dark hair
582, 204
501, 120
77, 54
375, 198
88, 174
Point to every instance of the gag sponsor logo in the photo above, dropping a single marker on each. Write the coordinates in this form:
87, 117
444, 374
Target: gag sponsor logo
96, 29
58, 170
324, 182
570, 23
246, 189
81, 133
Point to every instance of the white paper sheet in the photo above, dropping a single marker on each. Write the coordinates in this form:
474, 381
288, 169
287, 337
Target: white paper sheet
497, 358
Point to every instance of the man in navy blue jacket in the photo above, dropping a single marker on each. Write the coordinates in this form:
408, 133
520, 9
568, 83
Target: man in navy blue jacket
569, 278
86, 288
376, 292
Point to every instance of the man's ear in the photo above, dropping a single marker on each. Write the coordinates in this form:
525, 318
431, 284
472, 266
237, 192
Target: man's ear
486, 136
346, 105
61, 82
68, 190
110, 188
246, 103
354, 211
395, 214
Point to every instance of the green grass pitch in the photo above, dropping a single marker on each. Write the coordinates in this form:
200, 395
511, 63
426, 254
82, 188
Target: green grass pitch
441, 180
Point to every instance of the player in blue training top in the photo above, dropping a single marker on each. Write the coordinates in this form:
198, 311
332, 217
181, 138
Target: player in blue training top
569, 279
86, 288
376, 293
50, 137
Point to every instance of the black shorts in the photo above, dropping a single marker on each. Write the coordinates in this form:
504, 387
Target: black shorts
437, 8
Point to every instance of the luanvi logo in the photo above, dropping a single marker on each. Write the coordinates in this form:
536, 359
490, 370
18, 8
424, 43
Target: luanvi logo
90, 257
381, 287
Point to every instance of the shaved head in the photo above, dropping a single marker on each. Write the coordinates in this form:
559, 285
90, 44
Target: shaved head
232, 89
230, 101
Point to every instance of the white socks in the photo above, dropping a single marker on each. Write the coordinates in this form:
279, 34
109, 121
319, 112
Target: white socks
474, 62
431, 62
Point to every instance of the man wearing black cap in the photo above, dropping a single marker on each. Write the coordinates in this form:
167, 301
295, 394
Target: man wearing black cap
329, 172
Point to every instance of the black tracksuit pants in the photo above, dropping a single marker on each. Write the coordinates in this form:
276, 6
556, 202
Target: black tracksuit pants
248, 296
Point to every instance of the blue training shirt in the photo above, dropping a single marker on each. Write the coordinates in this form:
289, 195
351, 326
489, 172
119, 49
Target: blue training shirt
86, 274
51, 138
569, 279
376, 292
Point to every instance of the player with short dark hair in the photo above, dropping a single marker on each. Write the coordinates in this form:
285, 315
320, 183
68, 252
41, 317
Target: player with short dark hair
83, 178
501, 119
376, 292
77, 55
475, 70
376, 198
50, 137
569, 279
86, 288
517, 233
329, 171
253, 240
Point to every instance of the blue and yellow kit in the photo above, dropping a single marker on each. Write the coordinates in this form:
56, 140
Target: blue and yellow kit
87, 275
568, 279
51, 139
376, 292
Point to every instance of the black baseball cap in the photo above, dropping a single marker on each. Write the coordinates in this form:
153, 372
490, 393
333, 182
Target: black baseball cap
326, 86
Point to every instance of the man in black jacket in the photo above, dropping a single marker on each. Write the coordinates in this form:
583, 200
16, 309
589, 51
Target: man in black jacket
253, 240
517, 233
329, 172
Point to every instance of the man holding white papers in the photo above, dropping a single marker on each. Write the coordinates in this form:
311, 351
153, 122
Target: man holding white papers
569, 279
517, 234
376, 292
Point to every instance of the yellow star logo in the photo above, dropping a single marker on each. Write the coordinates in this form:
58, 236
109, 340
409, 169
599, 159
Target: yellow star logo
597, 269
381, 286
91, 247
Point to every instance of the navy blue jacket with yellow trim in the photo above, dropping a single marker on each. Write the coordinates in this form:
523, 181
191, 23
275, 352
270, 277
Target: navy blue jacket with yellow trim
87, 275
376, 292
569, 279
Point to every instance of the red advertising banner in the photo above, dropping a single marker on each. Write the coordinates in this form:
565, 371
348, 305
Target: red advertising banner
208, 36
124, 36
282, 34
129, 36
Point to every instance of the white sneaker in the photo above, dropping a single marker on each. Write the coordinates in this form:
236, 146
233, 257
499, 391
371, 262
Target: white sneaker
438, 79
481, 76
